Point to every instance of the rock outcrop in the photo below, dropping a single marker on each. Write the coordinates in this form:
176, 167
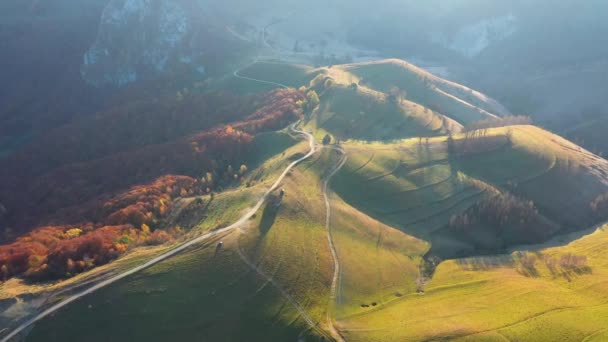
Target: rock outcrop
139, 39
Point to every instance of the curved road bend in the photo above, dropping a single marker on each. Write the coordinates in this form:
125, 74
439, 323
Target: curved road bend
172, 252
236, 74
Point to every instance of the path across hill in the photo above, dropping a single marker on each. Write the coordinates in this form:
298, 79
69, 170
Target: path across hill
172, 252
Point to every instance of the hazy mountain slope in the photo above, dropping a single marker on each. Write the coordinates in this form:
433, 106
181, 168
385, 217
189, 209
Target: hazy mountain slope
42, 45
458, 102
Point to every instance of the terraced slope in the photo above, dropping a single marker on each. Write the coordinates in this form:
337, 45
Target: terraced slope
417, 185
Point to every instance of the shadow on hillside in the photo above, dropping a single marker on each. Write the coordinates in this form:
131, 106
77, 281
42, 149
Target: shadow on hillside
485, 263
269, 216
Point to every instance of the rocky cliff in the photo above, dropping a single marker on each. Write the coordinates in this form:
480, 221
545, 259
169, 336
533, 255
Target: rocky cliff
139, 39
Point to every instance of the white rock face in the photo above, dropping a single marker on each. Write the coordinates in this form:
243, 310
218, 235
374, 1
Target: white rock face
137, 38
471, 40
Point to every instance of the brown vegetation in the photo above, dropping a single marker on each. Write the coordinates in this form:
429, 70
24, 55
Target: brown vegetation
566, 265
98, 198
51, 179
508, 219
121, 222
477, 142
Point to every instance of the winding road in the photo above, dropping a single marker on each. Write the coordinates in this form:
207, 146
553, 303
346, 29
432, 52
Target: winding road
335, 293
172, 252
238, 75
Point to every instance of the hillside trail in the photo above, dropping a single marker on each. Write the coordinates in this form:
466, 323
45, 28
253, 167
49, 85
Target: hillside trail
180, 248
269, 278
335, 291
237, 74
257, 59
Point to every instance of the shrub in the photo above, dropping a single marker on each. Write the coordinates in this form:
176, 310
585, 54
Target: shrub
159, 237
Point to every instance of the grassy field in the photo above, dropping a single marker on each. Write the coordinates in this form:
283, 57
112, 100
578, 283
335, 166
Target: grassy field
451, 99
492, 299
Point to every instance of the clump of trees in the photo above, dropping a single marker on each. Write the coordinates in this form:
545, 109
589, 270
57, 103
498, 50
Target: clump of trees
147, 204
54, 252
499, 122
311, 101
564, 265
508, 218
105, 225
501, 209
477, 141
220, 179
527, 265
476, 138
122, 222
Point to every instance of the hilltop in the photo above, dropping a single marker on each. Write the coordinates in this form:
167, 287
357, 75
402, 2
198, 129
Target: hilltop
387, 99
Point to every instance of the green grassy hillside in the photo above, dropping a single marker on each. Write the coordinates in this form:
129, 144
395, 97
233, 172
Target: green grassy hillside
271, 279
417, 185
451, 99
213, 295
362, 114
500, 299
